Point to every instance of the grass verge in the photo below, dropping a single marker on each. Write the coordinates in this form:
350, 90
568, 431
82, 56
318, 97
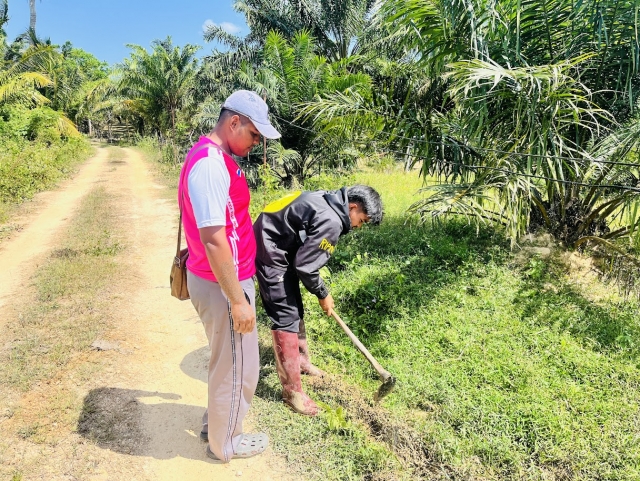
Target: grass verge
506, 370
66, 309
30, 167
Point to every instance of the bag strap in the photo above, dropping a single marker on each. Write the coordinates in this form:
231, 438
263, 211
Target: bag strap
181, 203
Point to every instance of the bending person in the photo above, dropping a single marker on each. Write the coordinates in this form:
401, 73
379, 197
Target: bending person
296, 236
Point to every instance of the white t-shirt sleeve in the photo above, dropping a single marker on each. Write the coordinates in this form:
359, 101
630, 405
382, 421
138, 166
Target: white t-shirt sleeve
209, 184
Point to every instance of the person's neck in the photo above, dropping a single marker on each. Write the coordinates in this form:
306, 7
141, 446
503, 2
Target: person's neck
215, 138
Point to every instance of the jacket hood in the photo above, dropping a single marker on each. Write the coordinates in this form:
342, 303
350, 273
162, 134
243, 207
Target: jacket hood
339, 202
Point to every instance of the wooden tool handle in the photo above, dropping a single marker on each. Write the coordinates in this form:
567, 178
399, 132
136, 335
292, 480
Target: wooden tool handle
376, 365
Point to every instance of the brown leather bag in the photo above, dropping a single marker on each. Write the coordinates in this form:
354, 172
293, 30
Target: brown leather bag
178, 275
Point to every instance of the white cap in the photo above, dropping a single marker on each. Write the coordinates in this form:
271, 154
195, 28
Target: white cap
252, 106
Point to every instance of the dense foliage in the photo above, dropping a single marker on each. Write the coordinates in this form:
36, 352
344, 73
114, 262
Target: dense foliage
41, 99
520, 114
524, 113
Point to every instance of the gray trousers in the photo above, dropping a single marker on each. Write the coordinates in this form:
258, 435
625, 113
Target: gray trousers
234, 366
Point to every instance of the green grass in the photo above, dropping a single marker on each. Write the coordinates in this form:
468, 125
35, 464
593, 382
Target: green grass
503, 372
166, 171
30, 167
333, 445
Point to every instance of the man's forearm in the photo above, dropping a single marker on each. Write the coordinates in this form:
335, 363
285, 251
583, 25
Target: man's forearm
220, 259
216, 246
224, 269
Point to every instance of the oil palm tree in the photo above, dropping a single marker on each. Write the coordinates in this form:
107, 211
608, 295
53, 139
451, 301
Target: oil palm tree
520, 90
532, 117
338, 27
340, 30
21, 80
160, 84
292, 74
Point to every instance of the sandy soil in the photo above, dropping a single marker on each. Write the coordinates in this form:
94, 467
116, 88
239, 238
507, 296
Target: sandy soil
152, 383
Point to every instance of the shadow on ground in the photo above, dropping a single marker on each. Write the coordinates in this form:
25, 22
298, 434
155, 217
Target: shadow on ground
605, 327
195, 364
112, 419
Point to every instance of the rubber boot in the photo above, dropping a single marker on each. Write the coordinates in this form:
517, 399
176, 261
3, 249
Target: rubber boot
285, 348
305, 361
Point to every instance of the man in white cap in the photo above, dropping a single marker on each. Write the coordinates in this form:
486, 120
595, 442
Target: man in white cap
214, 196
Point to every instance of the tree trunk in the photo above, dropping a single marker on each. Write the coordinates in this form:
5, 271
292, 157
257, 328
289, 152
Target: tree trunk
173, 133
32, 19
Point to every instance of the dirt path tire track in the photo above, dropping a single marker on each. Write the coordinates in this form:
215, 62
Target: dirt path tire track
34, 240
159, 374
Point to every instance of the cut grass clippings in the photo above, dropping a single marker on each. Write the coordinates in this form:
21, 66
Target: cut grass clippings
66, 309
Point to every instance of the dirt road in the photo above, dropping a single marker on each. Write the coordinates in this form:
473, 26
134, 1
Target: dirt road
36, 238
155, 371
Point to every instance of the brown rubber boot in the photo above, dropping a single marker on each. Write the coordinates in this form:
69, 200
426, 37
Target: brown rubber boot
285, 348
305, 361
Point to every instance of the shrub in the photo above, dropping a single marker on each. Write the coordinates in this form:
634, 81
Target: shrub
29, 167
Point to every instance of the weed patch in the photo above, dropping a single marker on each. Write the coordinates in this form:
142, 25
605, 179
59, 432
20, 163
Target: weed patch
169, 173
27, 168
30, 167
334, 445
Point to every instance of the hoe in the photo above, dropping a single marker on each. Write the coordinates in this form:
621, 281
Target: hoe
388, 381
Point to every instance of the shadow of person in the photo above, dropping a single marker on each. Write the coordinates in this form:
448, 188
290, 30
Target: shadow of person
195, 364
141, 423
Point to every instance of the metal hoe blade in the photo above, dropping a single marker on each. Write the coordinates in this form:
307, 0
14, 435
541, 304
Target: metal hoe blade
388, 383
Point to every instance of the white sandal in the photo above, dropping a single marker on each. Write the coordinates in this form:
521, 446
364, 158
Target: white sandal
249, 445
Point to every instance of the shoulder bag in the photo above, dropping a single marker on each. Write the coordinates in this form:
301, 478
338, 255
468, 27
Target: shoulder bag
178, 275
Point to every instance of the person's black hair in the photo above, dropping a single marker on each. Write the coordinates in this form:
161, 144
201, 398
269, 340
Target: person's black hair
224, 113
369, 199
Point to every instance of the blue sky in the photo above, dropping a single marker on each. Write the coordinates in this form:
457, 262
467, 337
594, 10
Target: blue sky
103, 28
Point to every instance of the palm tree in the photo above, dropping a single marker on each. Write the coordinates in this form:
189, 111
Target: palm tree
514, 116
21, 80
160, 84
338, 27
533, 123
292, 74
32, 16
340, 30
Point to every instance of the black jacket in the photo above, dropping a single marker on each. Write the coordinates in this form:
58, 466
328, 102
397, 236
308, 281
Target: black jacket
302, 230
